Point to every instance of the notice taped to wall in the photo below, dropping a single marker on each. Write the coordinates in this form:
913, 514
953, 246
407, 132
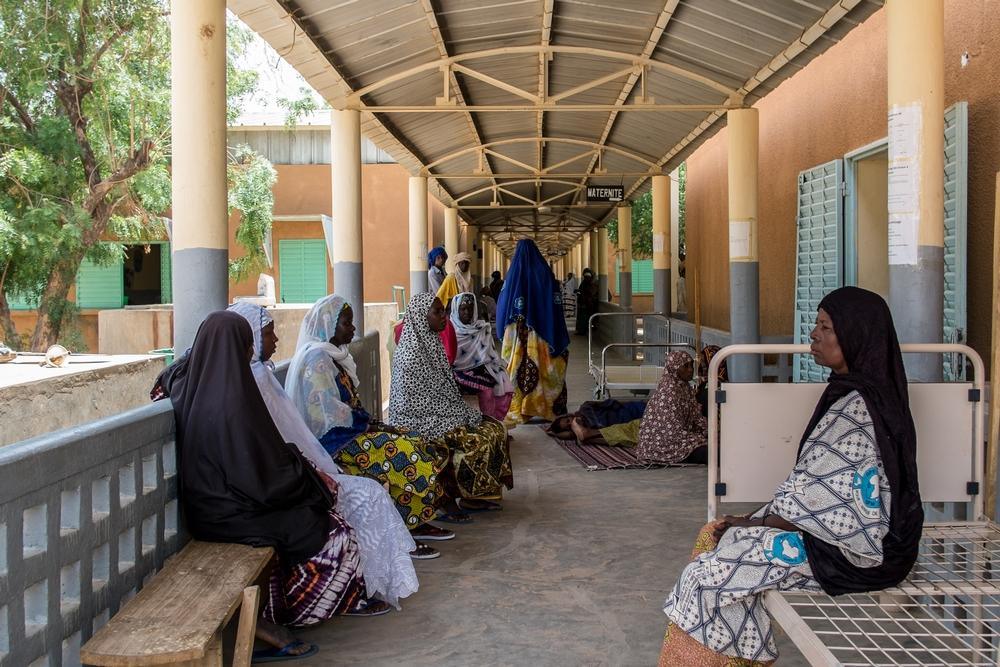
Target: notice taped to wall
905, 128
658, 242
741, 246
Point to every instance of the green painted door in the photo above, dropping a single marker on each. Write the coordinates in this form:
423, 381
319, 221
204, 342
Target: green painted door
166, 276
302, 270
956, 166
100, 286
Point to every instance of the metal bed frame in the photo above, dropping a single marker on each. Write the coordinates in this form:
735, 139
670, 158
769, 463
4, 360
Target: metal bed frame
626, 377
947, 611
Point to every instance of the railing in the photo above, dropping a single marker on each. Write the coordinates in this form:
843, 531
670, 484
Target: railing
88, 514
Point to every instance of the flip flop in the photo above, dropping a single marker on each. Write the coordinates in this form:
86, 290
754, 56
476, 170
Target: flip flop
453, 517
282, 654
490, 507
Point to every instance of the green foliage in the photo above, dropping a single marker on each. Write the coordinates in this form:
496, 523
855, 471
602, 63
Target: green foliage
84, 143
251, 178
304, 105
681, 207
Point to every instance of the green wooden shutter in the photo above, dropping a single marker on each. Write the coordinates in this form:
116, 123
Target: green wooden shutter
22, 302
302, 270
956, 165
166, 276
100, 286
819, 253
642, 276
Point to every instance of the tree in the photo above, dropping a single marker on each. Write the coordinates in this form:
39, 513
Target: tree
84, 145
642, 220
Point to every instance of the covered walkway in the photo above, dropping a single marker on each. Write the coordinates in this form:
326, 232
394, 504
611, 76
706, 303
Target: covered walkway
572, 572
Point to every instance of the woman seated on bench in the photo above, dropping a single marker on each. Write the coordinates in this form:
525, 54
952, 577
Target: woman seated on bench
479, 370
670, 430
383, 540
322, 382
857, 462
424, 398
239, 482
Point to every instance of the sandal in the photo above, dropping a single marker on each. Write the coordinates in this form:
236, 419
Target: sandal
489, 506
429, 532
460, 516
276, 654
369, 607
424, 552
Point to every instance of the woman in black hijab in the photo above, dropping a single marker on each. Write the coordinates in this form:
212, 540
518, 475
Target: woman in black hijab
846, 520
239, 481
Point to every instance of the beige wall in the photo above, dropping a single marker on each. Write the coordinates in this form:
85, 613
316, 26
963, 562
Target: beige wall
306, 190
835, 105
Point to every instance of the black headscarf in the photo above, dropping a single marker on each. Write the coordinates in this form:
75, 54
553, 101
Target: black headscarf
239, 481
867, 337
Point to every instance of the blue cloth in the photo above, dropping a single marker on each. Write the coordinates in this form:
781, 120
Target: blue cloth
434, 254
602, 414
531, 291
339, 437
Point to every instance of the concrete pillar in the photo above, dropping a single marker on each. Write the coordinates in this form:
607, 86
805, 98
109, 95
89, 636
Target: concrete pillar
451, 231
678, 300
470, 247
594, 259
661, 244
585, 249
198, 126
602, 263
418, 234
483, 276
915, 64
345, 172
625, 256
744, 277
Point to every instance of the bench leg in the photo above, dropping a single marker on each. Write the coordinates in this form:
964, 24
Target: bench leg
247, 627
212, 657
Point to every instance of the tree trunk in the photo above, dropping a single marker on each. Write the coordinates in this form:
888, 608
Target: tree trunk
7, 327
52, 305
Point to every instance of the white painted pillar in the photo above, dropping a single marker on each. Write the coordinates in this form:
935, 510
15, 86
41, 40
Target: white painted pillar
200, 248
348, 247
915, 63
418, 234
451, 231
602, 263
744, 276
595, 259
625, 256
661, 244
585, 252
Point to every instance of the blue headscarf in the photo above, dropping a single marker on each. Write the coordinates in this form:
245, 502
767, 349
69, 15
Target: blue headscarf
532, 292
434, 254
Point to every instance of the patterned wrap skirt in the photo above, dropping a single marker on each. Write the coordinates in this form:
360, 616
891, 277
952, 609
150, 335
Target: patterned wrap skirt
481, 459
327, 584
407, 463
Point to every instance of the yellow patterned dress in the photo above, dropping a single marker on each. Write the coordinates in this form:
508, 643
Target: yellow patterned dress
539, 377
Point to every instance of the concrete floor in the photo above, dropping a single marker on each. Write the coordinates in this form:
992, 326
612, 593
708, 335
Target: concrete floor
573, 571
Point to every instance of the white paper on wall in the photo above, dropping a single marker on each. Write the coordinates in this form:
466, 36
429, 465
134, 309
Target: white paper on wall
905, 128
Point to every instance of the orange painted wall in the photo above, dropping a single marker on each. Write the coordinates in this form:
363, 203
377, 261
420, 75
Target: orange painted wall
833, 106
306, 190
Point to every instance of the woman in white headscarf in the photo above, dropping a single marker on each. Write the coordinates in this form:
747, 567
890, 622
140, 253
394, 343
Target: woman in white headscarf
479, 370
424, 398
322, 384
384, 543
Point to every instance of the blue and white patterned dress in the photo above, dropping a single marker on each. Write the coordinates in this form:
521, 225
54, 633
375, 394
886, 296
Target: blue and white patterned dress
835, 492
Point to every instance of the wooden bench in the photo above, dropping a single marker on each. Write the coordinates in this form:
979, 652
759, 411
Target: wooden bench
179, 616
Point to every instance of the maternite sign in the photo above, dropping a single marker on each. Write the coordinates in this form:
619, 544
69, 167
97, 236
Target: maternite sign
597, 194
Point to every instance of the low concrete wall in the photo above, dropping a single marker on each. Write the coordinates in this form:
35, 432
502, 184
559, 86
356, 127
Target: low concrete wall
36, 400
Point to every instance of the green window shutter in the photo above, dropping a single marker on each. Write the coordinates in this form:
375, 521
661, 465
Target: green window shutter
22, 302
819, 254
302, 270
642, 276
956, 165
166, 276
100, 286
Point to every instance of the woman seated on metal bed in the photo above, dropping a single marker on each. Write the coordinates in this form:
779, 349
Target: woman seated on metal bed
846, 520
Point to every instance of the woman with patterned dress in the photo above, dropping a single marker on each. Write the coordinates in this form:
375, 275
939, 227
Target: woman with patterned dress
384, 542
846, 520
241, 483
479, 370
535, 338
424, 399
322, 383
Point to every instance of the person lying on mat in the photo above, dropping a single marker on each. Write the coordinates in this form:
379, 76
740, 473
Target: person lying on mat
857, 461
595, 416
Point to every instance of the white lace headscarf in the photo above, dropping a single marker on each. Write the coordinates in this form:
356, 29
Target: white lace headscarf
423, 396
284, 413
463, 278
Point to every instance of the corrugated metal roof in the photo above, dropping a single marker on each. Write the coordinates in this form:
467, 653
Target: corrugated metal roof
527, 53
